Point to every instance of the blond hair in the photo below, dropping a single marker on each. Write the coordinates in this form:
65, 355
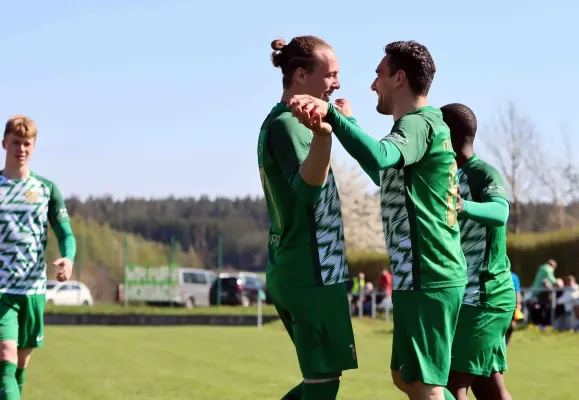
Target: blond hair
21, 126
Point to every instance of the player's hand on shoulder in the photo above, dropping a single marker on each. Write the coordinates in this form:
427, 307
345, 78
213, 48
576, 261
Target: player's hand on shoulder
344, 107
65, 269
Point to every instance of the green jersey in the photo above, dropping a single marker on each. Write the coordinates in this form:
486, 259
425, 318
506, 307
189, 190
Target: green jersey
485, 247
306, 240
418, 202
545, 271
26, 208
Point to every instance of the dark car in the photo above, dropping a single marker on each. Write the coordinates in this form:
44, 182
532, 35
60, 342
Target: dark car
238, 290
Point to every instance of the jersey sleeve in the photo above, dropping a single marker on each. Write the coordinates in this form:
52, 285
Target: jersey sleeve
411, 135
493, 185
288, 142
494, 212
60, 223
373, 155
374, 175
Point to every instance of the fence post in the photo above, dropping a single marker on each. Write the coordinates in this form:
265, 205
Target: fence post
219, 267
259, 312
360, 304
125, 263
171, 266
78, 266
374, 305
553, 306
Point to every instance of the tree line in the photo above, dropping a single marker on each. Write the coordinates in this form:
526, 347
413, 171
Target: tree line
544, 195
195, 223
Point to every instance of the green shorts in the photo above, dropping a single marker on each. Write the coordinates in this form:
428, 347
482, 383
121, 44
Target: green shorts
22, 319
479, 346
424, 325
318, 321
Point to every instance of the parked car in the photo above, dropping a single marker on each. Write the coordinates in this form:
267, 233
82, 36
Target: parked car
193, 288
238, 289
69, 293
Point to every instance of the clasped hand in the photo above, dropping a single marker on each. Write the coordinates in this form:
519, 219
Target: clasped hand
311, 111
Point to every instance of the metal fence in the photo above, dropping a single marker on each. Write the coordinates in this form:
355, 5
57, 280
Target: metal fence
379, 305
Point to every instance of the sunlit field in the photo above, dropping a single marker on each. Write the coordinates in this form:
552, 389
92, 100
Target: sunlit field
102, 363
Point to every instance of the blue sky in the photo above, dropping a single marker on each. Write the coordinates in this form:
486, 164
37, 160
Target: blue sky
152, 98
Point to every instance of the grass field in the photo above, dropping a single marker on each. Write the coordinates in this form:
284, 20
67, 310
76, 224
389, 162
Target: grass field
130, 363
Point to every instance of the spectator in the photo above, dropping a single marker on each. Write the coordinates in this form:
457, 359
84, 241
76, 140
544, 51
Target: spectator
545, 277
385, 282
367, 303
358, 285
566, 304
517, 314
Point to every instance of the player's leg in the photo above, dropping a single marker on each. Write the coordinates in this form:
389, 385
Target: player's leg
492, 384
8, 348
509, 333
491, 388
284, 315
425, 325
458, 384
469, 339
479, 349
31, 331
394, 362
324, 338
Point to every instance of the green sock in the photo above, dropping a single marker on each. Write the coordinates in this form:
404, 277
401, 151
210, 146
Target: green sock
321, 391
9, 386
20, 378
448, 395
295, 393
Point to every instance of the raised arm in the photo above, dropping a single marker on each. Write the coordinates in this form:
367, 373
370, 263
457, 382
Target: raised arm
372, 154
373, 174
303, 158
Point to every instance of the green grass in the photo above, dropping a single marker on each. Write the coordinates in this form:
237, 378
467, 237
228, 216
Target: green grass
130, 363
132, 310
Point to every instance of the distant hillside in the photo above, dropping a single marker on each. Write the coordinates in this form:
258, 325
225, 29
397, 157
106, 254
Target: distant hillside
193, 223
196, 222
100, 255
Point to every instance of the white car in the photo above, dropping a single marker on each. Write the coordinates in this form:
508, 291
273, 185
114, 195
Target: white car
69, 293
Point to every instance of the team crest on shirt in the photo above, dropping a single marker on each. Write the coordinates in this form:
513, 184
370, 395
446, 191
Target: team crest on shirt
31, 197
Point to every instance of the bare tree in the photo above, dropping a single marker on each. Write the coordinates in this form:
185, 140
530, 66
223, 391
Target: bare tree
360, 210
511, 140
570, 169
557, 178
550, 179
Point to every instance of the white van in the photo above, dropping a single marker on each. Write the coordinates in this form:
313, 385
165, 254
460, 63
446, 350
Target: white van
194, 286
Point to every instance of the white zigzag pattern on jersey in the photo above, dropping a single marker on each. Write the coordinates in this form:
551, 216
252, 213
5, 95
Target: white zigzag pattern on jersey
23, 232
473, 243
330, 234
396, 228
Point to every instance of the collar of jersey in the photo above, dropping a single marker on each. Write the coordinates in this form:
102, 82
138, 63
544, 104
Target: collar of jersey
470, 161
427, 109
15, 180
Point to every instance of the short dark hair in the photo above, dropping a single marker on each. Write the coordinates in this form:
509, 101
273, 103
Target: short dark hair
299, 53
415, 60
461, 121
